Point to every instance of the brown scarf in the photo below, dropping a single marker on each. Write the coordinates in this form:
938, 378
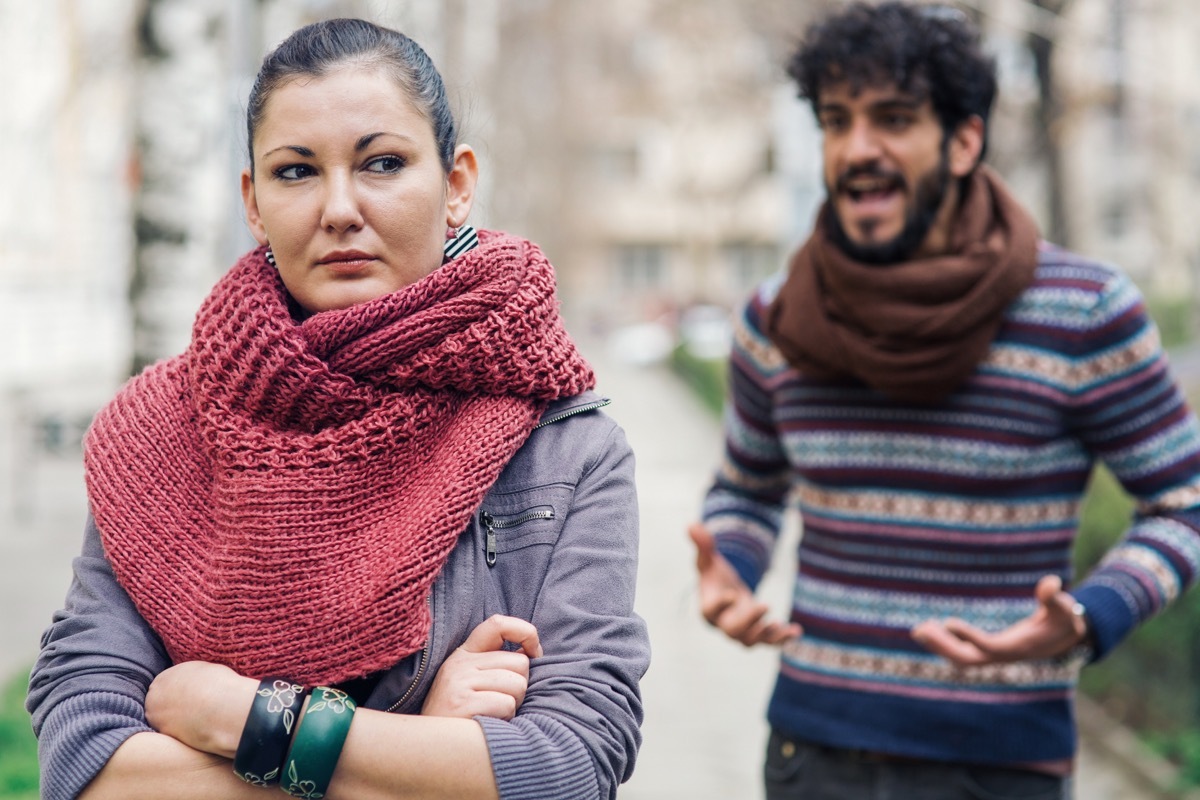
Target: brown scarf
915, 330
281, 497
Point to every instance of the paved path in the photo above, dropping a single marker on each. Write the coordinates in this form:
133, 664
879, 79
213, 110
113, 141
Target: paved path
704, 729
705, 697
38, 539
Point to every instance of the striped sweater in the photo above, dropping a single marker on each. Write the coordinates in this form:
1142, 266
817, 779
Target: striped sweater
911, 513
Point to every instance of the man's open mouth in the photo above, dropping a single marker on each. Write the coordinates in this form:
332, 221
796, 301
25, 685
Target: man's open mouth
870, 187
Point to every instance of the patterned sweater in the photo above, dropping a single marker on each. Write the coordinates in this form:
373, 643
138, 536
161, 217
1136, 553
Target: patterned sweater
911, 513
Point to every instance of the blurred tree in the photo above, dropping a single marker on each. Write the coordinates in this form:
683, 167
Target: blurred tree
1048, 116
182, 155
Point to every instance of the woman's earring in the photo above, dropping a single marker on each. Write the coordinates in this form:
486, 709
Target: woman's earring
458, 241
271, 258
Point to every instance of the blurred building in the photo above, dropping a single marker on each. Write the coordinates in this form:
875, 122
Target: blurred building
66, 127
1129, 72
1127, 108
66, 236
653, 147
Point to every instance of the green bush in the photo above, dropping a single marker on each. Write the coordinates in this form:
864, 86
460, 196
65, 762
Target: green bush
18, 748
1183, 749
1148, 682
1105, 516
708, 377
1174, 318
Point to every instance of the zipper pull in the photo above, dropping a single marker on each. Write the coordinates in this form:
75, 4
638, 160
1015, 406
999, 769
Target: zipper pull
489, 539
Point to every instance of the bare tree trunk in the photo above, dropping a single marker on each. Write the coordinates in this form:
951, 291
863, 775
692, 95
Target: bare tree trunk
1048, 122
180, 211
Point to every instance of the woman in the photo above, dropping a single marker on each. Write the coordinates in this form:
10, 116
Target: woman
377, 473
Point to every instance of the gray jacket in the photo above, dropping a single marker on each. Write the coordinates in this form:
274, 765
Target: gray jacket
554, 542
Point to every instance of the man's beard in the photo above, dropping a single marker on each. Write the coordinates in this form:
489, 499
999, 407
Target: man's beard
931, 191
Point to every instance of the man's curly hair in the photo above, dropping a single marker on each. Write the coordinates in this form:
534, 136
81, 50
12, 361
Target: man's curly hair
925, 50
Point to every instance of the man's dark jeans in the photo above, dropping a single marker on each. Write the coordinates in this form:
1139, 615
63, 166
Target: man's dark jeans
799, 771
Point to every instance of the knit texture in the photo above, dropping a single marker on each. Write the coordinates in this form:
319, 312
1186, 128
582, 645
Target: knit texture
281, 497
914, 330
914, 512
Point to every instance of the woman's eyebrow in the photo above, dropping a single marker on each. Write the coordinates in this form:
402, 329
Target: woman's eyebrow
360, 145
364, 141
297, 148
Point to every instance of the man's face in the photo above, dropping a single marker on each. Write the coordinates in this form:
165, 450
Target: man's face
887, 172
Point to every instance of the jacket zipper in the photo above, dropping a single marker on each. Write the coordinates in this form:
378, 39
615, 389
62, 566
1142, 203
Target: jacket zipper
570, 412
490, 524
422, 664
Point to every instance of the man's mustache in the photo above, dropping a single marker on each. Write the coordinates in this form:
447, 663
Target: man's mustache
869, 171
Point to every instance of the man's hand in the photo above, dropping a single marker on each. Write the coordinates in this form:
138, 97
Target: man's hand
727, 603
480, 678
1050, 631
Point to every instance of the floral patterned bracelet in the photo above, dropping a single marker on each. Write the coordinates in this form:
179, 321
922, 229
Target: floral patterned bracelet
268, 731
318, 743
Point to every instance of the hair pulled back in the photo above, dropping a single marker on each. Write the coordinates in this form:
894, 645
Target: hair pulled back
316, 49
928, 51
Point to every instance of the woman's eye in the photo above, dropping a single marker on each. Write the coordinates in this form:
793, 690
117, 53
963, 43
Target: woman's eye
293, 172
385, 164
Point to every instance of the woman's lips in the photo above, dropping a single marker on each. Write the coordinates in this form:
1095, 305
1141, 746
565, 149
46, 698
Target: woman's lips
346, 262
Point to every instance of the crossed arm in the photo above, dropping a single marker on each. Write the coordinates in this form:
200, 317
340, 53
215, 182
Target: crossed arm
89, 690
577, 728
198, 709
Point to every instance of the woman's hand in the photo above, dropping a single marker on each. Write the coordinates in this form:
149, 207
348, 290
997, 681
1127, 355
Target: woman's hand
202, 705
482, 679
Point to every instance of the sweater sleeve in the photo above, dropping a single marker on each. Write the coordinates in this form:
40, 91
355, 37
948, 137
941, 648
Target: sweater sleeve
744, 506
577, 732
1129, 411
88, 687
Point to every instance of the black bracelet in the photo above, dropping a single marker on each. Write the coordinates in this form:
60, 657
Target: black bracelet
268, 731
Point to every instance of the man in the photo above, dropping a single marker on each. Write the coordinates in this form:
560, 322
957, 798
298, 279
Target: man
931, 385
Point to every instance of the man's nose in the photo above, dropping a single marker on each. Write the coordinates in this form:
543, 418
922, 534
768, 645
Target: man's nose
861, 143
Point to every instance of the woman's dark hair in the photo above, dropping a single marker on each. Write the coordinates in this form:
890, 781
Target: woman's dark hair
928, 51
316, 49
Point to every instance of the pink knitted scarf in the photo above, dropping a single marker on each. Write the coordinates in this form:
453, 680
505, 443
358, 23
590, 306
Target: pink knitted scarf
281, 497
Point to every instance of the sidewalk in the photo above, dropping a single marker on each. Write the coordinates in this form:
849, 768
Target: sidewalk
37, 544
705, 697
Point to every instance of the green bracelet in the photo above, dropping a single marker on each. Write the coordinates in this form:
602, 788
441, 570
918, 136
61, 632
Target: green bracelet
317, 743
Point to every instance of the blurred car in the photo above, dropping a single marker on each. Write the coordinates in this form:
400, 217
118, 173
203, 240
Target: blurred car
642, 343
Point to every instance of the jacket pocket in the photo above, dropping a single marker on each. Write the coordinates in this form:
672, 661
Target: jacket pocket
516, 520
509, 527
517, 533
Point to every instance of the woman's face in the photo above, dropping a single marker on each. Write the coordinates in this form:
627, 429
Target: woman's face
348, 189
